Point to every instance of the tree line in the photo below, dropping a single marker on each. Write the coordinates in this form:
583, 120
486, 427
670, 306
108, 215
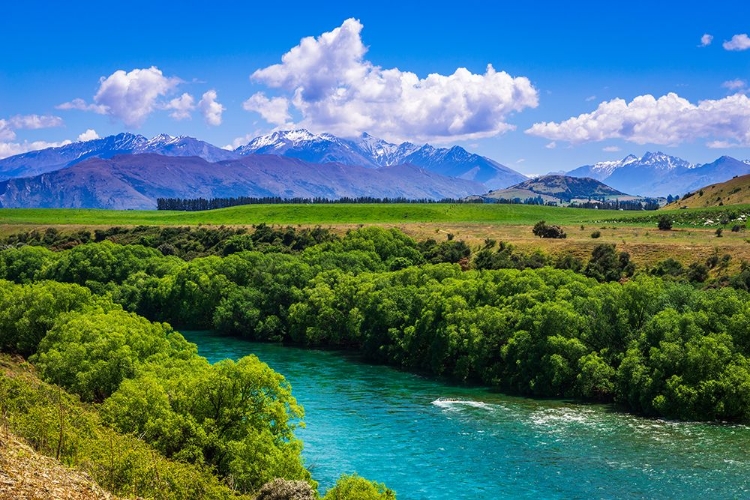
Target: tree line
198, 204
656, 341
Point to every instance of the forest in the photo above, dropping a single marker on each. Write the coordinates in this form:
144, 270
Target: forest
97, 317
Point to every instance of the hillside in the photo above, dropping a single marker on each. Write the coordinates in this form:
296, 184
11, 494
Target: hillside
26, 474
735, 191
136, 181
560, 189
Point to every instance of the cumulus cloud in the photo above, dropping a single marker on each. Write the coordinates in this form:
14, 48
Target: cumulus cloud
334, 88
706, 40
738, 42
210, 108
181, 106
130, 97
89, 135
274, 110
668, 120
735, 84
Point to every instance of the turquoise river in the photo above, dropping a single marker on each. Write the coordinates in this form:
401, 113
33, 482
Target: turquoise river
430, 440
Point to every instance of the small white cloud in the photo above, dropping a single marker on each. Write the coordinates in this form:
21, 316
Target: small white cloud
82, 105
11, 149
591, 98
210, 108
9, 126
668, 120
551, 145
706, 40
520, 160
89, 135
129, 97
274, 110
735, 84
35, 121
611, 149
181, 106
723, 145
335, 89
738, 42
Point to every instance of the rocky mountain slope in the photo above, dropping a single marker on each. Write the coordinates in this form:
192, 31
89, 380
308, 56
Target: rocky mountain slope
136, 181
372, 152
659, 174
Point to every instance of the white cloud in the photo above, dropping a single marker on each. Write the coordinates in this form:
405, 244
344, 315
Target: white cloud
611, 149
735, 84
330, 84
13, 148
551, 145
706, 40
130, 97
89, 135
738, 42
591, 98
82, 105
274, 110
8, 133
35, 121
181, 106
669, 120
210, 108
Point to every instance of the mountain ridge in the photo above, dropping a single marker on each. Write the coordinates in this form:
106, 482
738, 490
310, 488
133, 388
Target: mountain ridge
137, 181
658, 174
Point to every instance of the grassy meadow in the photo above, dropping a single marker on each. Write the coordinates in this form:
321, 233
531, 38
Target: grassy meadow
693, 237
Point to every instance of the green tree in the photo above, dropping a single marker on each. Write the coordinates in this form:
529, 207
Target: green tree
354, 487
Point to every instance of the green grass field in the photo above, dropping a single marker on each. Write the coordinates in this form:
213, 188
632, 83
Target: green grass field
324, 215
692, 239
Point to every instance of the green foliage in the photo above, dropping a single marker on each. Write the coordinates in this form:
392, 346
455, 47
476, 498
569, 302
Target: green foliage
596, 234
90, 353
665, 223
354, 487
27, 312
57, 424
543, 230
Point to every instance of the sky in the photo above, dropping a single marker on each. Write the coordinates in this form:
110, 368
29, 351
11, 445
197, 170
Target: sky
538, 86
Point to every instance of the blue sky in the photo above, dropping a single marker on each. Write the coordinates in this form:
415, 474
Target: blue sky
568, 85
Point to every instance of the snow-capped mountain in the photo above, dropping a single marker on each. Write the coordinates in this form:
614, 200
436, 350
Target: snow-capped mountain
51, 159
372, 152
659, 174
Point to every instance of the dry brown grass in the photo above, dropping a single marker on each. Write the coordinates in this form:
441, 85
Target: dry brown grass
27, 475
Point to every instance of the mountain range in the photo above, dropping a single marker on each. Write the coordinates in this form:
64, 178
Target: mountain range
365, 151
658, 174
298, 163
136, 181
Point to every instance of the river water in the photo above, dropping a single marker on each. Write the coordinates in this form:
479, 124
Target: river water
430, 440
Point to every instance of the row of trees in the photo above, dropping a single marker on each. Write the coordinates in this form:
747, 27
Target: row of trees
512, 321
198, 204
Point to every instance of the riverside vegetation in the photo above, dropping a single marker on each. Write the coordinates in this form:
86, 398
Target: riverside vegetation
94, 318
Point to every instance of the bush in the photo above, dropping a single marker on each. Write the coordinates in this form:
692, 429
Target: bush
355, 487
596, 234
665, 223
542, 230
